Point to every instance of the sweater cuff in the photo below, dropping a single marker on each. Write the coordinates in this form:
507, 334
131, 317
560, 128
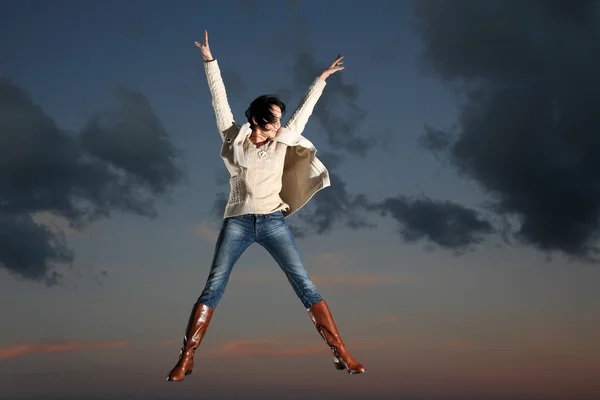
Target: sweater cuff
320, 83
210, 67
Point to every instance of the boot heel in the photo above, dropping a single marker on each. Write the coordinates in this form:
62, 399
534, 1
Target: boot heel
338, 364
189, 372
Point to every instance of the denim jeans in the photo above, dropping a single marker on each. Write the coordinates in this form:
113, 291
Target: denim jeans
271, 232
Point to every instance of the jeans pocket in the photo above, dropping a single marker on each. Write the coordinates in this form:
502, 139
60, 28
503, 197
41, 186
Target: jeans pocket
238, 191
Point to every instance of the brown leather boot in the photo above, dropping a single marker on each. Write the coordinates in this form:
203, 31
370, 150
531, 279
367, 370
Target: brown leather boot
197, 325
323, 320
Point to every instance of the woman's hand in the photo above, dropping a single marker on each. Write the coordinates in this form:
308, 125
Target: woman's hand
333, 68
204, 48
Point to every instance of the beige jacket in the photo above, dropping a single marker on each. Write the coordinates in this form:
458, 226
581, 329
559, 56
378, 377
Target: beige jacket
303, 174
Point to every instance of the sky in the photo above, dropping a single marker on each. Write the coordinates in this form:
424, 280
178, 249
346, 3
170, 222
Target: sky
457, 246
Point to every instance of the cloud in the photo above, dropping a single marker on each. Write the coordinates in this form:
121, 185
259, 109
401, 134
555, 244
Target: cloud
131, 138
29, 249
444, 223
55, 223
527, 131
45, 348
334, 206
122, 160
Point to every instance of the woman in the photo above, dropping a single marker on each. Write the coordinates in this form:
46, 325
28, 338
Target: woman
274, 172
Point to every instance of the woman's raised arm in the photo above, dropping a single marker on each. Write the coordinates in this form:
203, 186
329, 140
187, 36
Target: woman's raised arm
225, 120
300, 117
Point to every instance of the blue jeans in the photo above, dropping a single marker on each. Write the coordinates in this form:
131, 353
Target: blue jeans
271, 232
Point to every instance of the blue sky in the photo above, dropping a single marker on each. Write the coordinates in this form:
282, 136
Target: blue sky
496, 322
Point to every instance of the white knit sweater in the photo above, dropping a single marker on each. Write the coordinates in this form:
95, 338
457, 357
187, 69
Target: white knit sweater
263, 178
255, 190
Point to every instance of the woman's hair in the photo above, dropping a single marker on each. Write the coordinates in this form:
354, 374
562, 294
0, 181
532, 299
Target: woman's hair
260, 109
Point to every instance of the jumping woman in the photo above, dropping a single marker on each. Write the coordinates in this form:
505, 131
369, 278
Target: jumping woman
274, 172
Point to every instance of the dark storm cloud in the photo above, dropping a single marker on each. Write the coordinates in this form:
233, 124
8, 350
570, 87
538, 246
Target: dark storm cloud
447, 224
121, 161
334, 205
527, 73
28, 249
131, 137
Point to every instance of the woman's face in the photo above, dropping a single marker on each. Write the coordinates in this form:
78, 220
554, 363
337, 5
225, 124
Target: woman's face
272, 129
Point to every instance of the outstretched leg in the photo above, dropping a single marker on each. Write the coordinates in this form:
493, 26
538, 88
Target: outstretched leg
236, 235
275, 236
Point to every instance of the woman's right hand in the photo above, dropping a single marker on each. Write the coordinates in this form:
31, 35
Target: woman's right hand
204, 48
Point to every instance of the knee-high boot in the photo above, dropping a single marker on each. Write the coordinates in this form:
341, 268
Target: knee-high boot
196, 328
323, 320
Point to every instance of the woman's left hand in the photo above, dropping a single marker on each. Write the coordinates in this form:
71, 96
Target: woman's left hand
333, 68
